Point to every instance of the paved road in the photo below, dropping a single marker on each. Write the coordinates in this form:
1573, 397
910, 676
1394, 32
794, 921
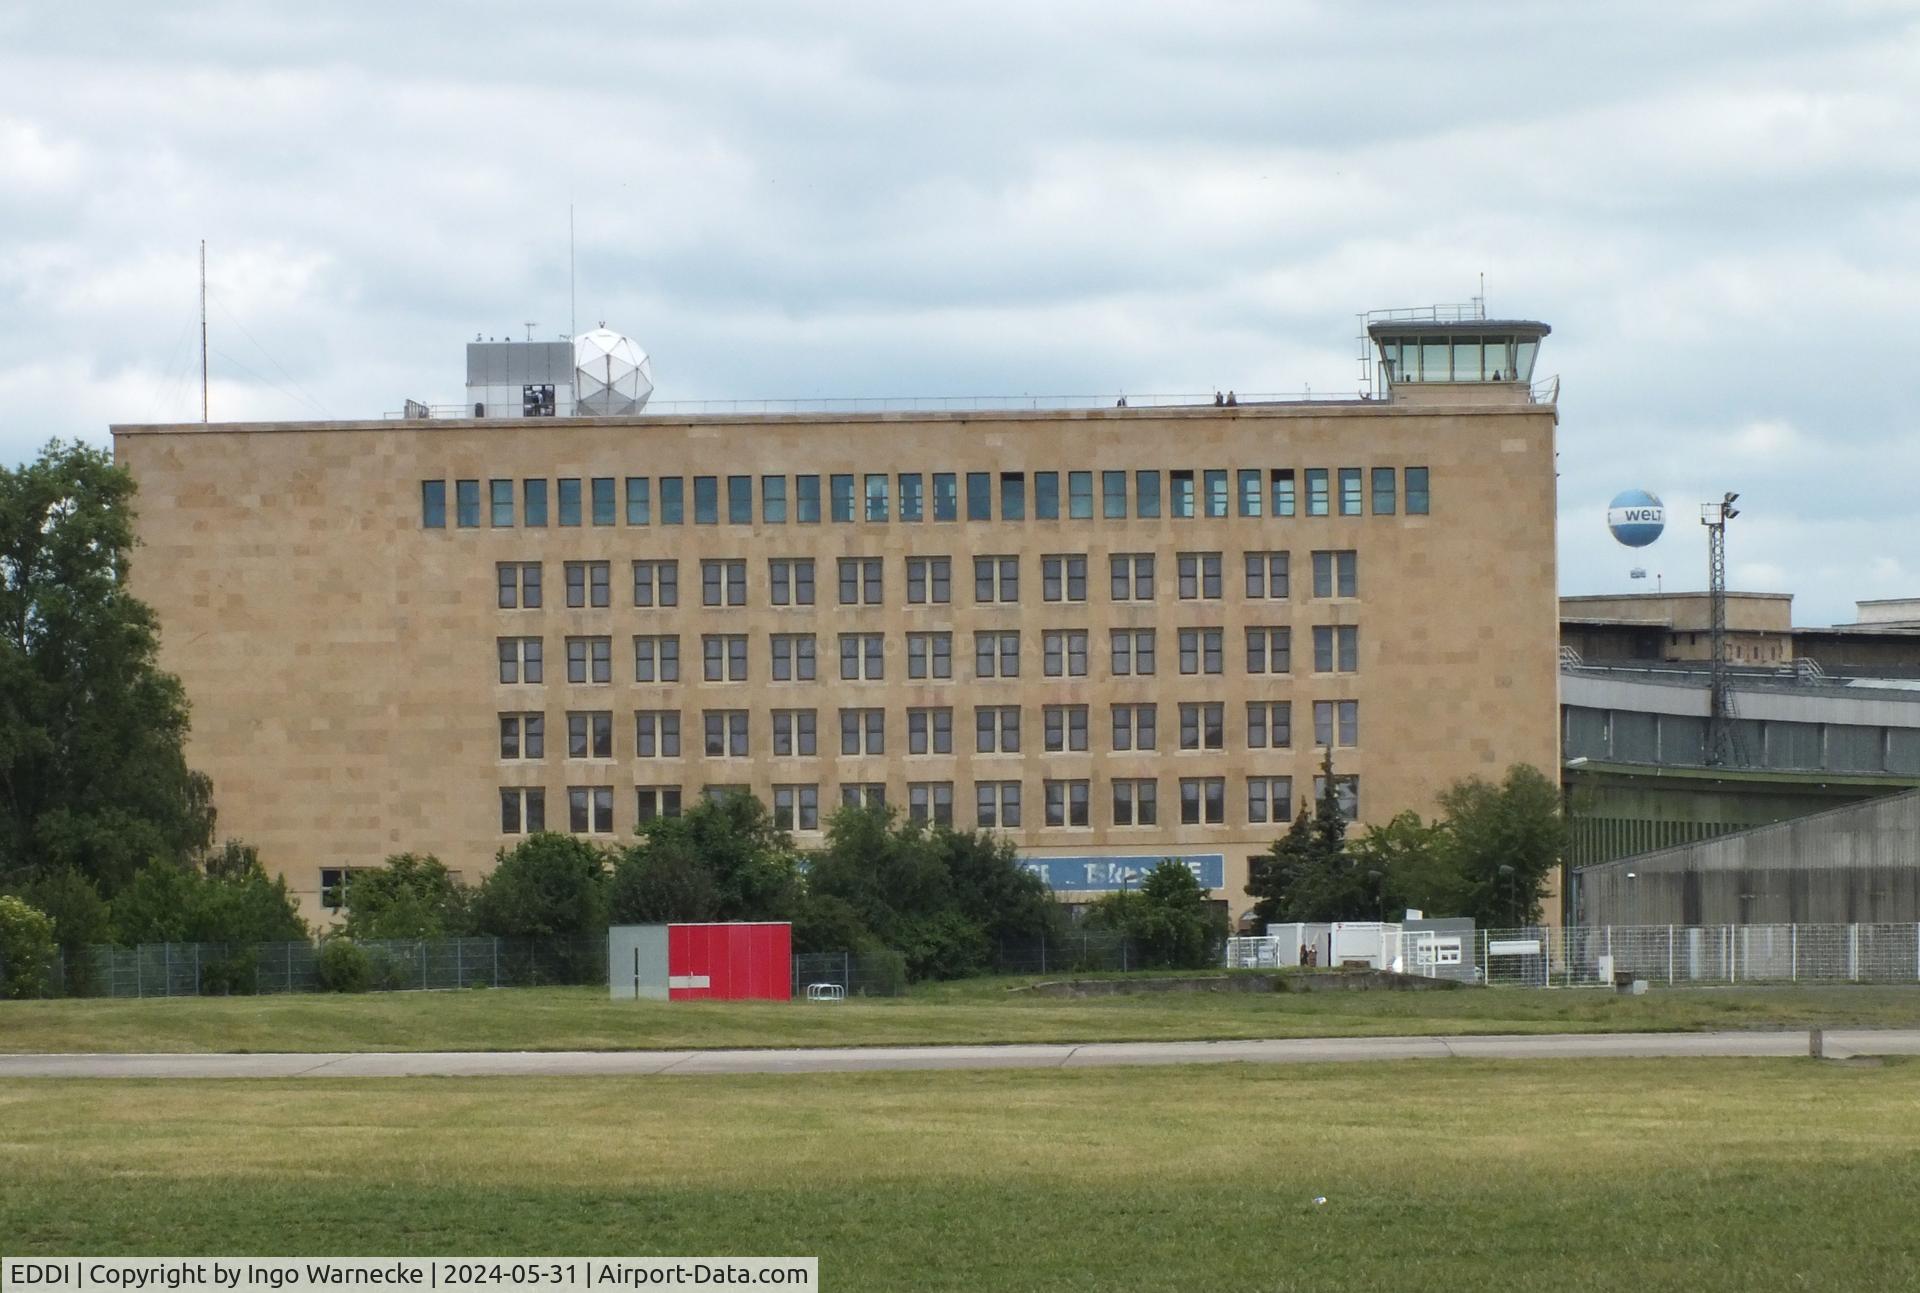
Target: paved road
1839, 1044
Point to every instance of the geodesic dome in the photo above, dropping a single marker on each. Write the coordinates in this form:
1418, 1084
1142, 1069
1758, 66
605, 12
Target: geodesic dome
611, 374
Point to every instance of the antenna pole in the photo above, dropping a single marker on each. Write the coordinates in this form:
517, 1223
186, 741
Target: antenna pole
203, 331
1723, 744
573, 310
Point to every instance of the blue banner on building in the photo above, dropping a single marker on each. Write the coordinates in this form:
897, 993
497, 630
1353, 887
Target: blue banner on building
1100, 874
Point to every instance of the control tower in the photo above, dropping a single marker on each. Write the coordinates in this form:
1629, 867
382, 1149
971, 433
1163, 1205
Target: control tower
1447, 354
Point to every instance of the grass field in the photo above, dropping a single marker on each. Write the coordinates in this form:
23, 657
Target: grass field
1697, 1174
981, 1011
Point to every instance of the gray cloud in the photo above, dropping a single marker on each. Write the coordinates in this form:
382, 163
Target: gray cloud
1711, 203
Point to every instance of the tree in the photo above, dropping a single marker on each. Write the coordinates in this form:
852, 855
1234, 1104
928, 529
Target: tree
722, 860
1407, 863
26, 949
1009, 903
80, 916
1168, 918
548, 885
412, 896
1506, 840
228, 898
1307, 874
92, 773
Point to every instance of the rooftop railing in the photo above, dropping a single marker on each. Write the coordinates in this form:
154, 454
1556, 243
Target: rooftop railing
937, 403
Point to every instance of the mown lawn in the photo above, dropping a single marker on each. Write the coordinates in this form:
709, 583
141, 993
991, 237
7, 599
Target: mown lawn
1676, 1174
983, 1011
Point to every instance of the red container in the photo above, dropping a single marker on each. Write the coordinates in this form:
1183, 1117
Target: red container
730, 962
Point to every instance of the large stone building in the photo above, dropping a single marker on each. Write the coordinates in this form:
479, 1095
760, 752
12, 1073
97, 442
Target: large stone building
1117, 634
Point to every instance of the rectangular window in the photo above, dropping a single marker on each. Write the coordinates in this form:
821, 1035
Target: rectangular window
1336, 648
655, 802
1203, 726
726, 733
1416, 491
863, 731
1270, 725
1136, 801
1267, 576
533, 503
930, 801
1318, 500
1336, 574
603, 507
876, 495
1130, 576
1046, 495
706, 500
523, 736
996, 803
996, 579
793, 657
590, 734
523, 810
739, 500
590, 810
589, 660
656, 583
929, 731
656, 733
860, 581
1146, 494
723, 583
1013, 496
996, 729
500, 493
639, 500
1065, 653
1346, 793
1066, 803
1199, 576
773, 500
1216, 486
1063, 578
1182, 485
519, 584
861, 658
996, 655
863, 794
724, 657
841, 493
656, 658
979, 496
1135, 727
929, 580
790, 581
1080, 495
587, 584
1336, 722
1203, 801
1250, 491
913, 502
570, 500
466, 499
1349, 491
1132, 652
796, 808
946, 498
1269, 650
673, 501
1284, 502
520, 660
794, 733
1200, 650
1113, 495
1383, 491
1269, 800
1064, 728
806, 499
929, 655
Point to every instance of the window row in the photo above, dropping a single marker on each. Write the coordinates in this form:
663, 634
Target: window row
724, 733
929, 580
938, 496
1064, 653
1130, 801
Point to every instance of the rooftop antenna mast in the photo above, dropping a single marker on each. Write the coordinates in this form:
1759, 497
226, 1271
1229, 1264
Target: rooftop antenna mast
573, 326
1723, 745
203, 332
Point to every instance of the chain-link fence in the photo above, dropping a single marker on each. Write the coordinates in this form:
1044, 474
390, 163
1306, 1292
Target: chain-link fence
1087, 951
877, 975
222, 969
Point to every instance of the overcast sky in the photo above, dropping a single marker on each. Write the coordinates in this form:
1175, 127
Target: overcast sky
1714, 205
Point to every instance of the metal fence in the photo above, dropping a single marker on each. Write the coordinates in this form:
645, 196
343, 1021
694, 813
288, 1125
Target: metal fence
856, 976
222, 969
1078, 952
1675, 955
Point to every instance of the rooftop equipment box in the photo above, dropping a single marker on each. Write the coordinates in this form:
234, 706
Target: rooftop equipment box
736, 961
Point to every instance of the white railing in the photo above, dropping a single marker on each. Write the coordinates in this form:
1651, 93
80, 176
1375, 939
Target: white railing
934, 403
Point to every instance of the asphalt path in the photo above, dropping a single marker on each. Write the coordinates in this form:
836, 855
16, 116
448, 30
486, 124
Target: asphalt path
869, 1059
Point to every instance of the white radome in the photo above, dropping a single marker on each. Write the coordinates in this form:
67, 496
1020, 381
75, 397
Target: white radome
611, 374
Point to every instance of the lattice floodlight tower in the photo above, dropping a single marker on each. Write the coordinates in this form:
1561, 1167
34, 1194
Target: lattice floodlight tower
611, 374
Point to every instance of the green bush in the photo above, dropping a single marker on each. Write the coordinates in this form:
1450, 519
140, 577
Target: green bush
26, 949
344, 966
232, 975
228, 899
